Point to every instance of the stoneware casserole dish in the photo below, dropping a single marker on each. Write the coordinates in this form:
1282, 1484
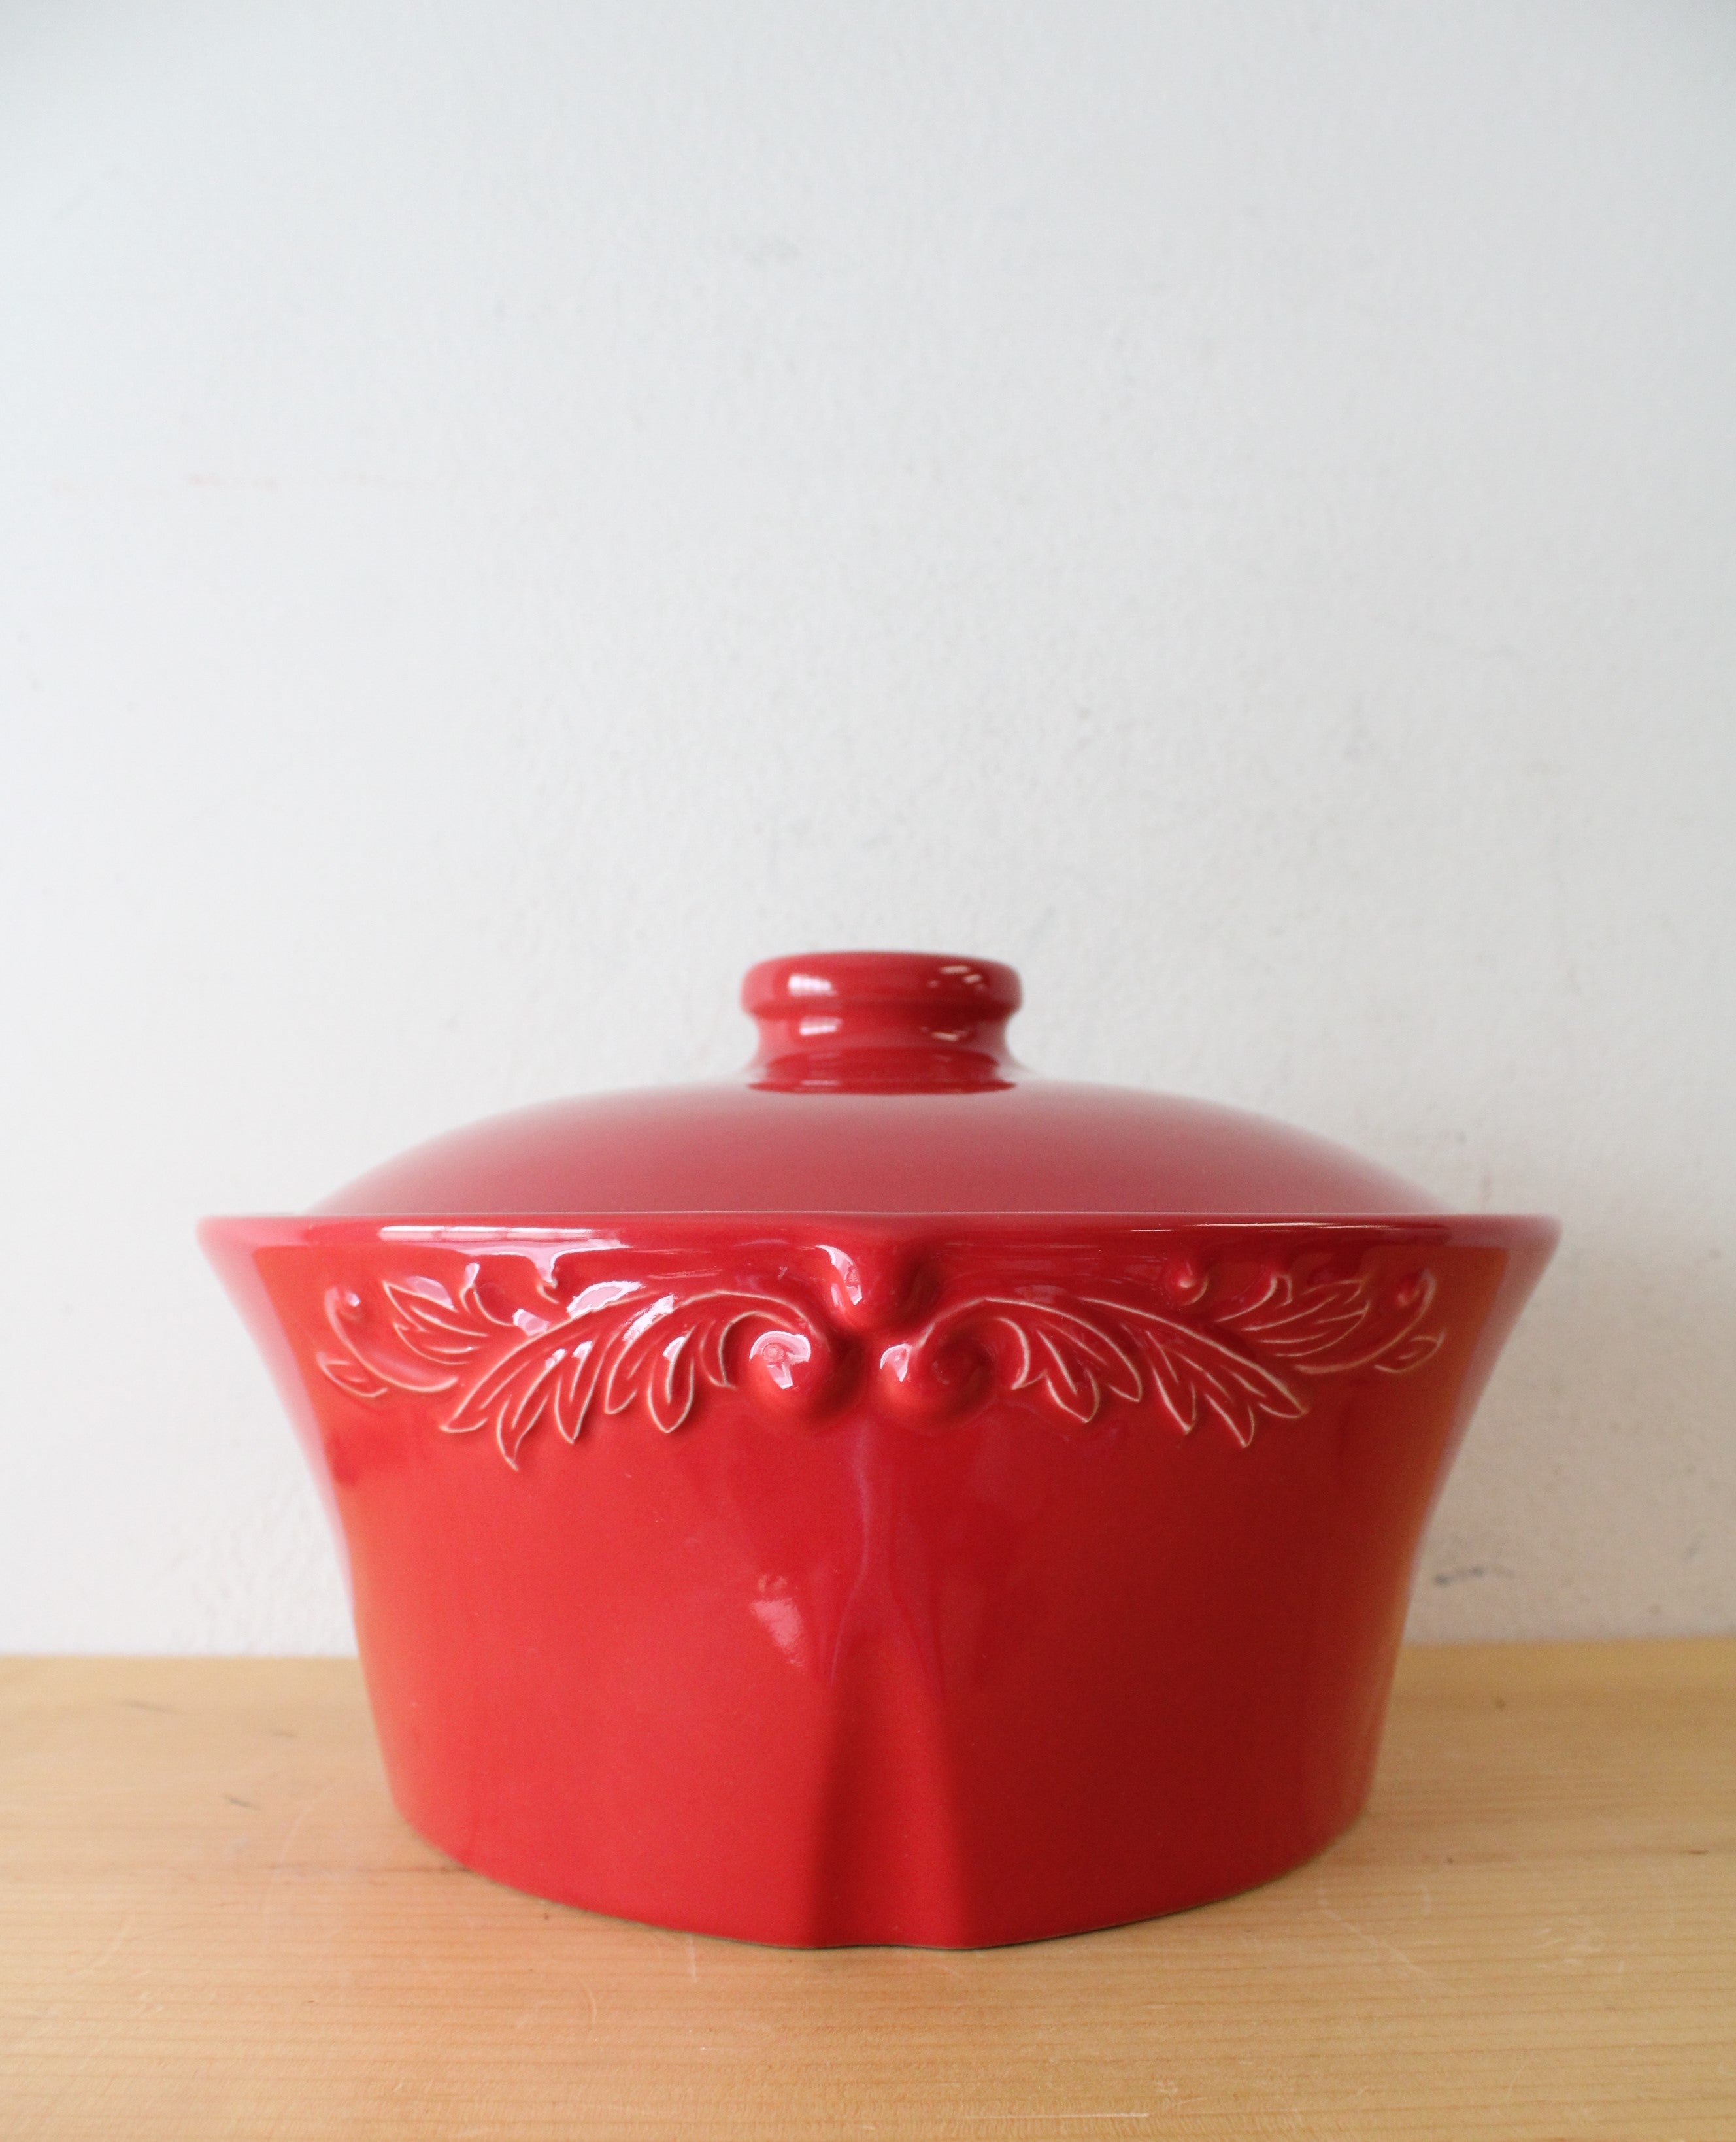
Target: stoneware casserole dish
888, 1497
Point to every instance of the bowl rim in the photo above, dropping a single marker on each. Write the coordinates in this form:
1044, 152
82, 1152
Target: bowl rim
1510, 1230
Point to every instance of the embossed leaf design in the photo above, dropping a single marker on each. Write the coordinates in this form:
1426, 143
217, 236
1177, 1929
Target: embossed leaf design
1088, 1350
1235, 1366
351, 1376
660, 1342
1322, 1327
550, 1372
427, 1326
1198, 1376
617, 1342
1074, 1362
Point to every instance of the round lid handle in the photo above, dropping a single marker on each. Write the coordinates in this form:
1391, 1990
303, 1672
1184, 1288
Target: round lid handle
881, 1021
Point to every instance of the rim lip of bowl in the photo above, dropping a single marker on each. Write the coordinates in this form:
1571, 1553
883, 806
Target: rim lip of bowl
262, 1229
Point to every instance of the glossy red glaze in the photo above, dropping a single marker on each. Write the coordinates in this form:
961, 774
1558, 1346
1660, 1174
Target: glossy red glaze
886, 1565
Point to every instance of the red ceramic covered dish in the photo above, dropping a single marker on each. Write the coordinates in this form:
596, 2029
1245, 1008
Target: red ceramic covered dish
887, 1496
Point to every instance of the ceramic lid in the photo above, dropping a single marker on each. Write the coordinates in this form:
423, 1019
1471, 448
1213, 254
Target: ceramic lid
882, 1084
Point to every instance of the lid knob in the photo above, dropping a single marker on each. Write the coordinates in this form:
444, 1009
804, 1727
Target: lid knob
881, 1021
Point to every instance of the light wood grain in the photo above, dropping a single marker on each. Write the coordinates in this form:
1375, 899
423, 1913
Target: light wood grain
213, 1923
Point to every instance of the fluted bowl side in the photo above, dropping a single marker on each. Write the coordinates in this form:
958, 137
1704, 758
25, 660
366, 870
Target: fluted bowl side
905, 1577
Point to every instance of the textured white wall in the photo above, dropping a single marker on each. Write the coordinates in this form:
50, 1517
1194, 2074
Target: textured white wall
508, 513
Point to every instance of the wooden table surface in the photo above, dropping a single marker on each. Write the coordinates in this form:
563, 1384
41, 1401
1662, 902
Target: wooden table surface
212, 1923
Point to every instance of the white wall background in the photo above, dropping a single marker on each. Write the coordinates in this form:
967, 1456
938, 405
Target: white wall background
509, 512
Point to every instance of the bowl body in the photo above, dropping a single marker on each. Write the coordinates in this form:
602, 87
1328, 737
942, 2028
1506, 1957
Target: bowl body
950, 1580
